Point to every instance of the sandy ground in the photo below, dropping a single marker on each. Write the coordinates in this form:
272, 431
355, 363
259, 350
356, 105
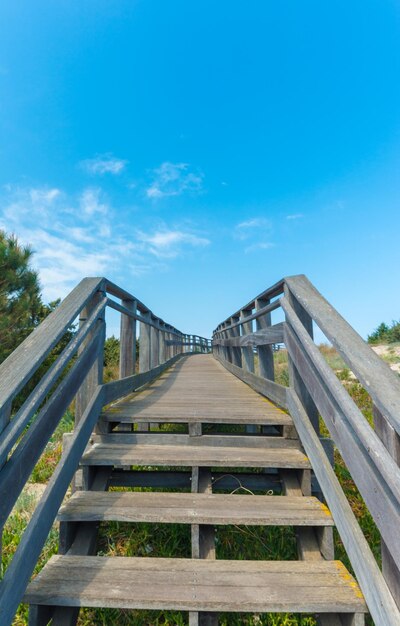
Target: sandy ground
391, 352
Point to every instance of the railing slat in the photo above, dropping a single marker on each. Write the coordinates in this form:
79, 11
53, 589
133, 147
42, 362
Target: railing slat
264, 337
378, 597
17, 576
24, 415
18, 368
371, 467
381, 383
18, 468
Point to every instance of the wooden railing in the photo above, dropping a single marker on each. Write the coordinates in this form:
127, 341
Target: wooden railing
76, 374
371, 455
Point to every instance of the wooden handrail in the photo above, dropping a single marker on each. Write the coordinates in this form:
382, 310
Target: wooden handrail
381, 383
315, 390
20, 366
24, 436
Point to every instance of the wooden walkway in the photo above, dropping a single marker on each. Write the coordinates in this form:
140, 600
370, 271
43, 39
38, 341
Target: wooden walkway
197, 391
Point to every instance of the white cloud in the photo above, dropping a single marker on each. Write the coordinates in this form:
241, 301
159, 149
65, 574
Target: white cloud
168, 243
256, 232
90, 202
255, 222
104, 164
77, 236
44, 196
261, 245
295, 216
173, 179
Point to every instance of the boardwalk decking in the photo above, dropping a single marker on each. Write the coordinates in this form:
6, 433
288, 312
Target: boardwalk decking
198, 391
206, 441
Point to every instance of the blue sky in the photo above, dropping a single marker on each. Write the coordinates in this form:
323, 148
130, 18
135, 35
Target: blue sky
196, 152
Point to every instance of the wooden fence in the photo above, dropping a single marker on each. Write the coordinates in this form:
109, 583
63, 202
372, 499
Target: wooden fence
76, 374
371, 455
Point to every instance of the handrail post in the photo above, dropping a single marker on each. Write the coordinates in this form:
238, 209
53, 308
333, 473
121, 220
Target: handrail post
154, 347
127, 361
294, 377
247, 352
93, 379
226, 353
265, 353
94, 376
391, 440
236, 352
144, 344
162, 346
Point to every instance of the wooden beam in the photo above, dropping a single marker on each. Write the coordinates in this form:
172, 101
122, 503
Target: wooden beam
377, 595
127, 361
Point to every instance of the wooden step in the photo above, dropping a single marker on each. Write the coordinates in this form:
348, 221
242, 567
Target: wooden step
199, 508
196, 585
220, 412
185, 451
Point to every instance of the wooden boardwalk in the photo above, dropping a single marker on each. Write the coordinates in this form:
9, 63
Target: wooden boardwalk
198, 391
201, 390
197, 432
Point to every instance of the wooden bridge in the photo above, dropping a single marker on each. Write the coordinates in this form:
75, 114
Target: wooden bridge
231, 428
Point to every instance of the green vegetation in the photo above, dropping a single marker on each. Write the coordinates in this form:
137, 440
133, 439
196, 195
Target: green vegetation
20, 301
385, 333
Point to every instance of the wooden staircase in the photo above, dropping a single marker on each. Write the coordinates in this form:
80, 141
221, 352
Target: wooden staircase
207, 441
204, 584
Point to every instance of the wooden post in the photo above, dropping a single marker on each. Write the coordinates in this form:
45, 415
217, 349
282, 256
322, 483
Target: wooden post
391, 440
295, 379
247, 353
162, 347
127, 361
95, 374
154, 351
90, 383
265, 353
144, 345
236, 352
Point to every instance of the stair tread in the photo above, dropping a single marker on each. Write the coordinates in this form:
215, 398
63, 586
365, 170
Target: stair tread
199, 508
193, 451
196, 585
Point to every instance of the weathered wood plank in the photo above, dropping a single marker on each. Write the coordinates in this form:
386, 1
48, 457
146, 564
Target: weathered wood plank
192, 455
391, 441
262, 337
381, 383
127, 361
268, 294
198, 388
198, 584
268, 388
236, 441
21, 419
18, 368
16, 471
378, 597
120, 388
94, 376
145, 345
378, 488
201, 508
19, 571
265, 352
